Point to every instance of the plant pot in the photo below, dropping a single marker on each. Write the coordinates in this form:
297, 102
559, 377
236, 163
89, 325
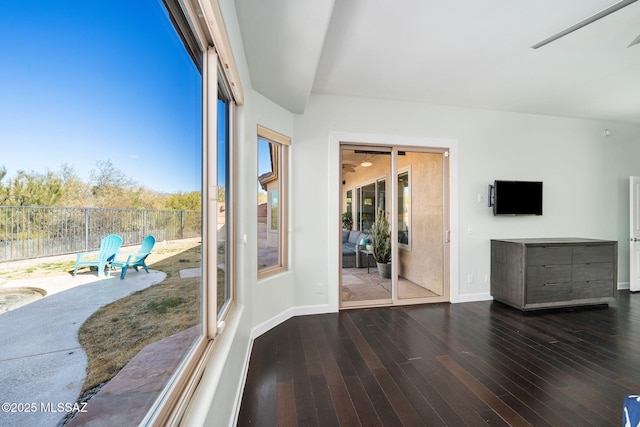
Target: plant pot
384, 270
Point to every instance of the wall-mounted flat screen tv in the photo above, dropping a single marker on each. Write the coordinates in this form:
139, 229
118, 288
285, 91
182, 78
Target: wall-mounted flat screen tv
516, 197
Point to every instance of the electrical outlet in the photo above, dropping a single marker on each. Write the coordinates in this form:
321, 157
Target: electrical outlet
319, 288
470, 278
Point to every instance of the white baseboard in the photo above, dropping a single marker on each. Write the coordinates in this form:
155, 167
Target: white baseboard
325, 308
286, 315
623, 285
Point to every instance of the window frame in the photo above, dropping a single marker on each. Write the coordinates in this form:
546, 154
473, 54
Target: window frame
281, 172
224, 91
200, 24
402, 171
359, 201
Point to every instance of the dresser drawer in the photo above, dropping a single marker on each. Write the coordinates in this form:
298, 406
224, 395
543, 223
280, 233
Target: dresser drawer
593, 289
549, 292
540, 274
597, 253
545, 255
594, 271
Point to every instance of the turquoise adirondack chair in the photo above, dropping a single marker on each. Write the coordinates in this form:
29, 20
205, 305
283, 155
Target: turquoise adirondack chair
109, 246
136, 260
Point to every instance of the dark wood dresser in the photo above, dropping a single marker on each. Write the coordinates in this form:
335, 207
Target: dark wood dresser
532, 274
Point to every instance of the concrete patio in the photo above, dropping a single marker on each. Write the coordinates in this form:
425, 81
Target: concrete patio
42, 364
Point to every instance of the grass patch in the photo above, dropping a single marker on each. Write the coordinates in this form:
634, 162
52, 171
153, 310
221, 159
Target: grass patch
114, 334
162, 306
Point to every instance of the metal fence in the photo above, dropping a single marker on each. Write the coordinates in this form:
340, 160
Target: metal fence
36, 231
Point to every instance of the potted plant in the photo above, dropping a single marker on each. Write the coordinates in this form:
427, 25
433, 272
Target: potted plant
347, 221
382, 244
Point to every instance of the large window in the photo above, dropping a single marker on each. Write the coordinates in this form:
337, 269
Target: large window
272, 196
221, 92
220, 95
132, 92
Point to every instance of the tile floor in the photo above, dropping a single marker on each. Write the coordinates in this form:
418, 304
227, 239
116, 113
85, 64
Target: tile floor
358, 285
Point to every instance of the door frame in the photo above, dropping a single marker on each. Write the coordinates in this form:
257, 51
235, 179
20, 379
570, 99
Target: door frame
334, 214
634, 233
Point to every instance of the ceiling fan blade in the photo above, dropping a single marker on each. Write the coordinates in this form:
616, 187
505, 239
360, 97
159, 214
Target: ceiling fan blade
585, 22
635, 41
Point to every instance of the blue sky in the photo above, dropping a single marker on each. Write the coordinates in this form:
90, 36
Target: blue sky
89, 80
264, 161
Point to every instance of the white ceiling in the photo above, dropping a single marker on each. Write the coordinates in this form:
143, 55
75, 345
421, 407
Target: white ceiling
467, 53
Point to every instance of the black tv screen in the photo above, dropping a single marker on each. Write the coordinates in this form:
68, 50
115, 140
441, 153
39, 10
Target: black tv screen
517, 198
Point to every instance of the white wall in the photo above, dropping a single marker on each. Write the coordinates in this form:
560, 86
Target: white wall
580, 167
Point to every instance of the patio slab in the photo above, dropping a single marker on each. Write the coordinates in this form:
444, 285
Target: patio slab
42, 364
137, 386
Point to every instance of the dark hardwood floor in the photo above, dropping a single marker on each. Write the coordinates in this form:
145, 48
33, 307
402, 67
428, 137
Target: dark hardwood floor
465, 364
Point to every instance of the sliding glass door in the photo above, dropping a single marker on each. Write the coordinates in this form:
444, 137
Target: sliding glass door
393, 253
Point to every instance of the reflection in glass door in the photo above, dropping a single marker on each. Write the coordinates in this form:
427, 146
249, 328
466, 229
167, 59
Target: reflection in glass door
415, 181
